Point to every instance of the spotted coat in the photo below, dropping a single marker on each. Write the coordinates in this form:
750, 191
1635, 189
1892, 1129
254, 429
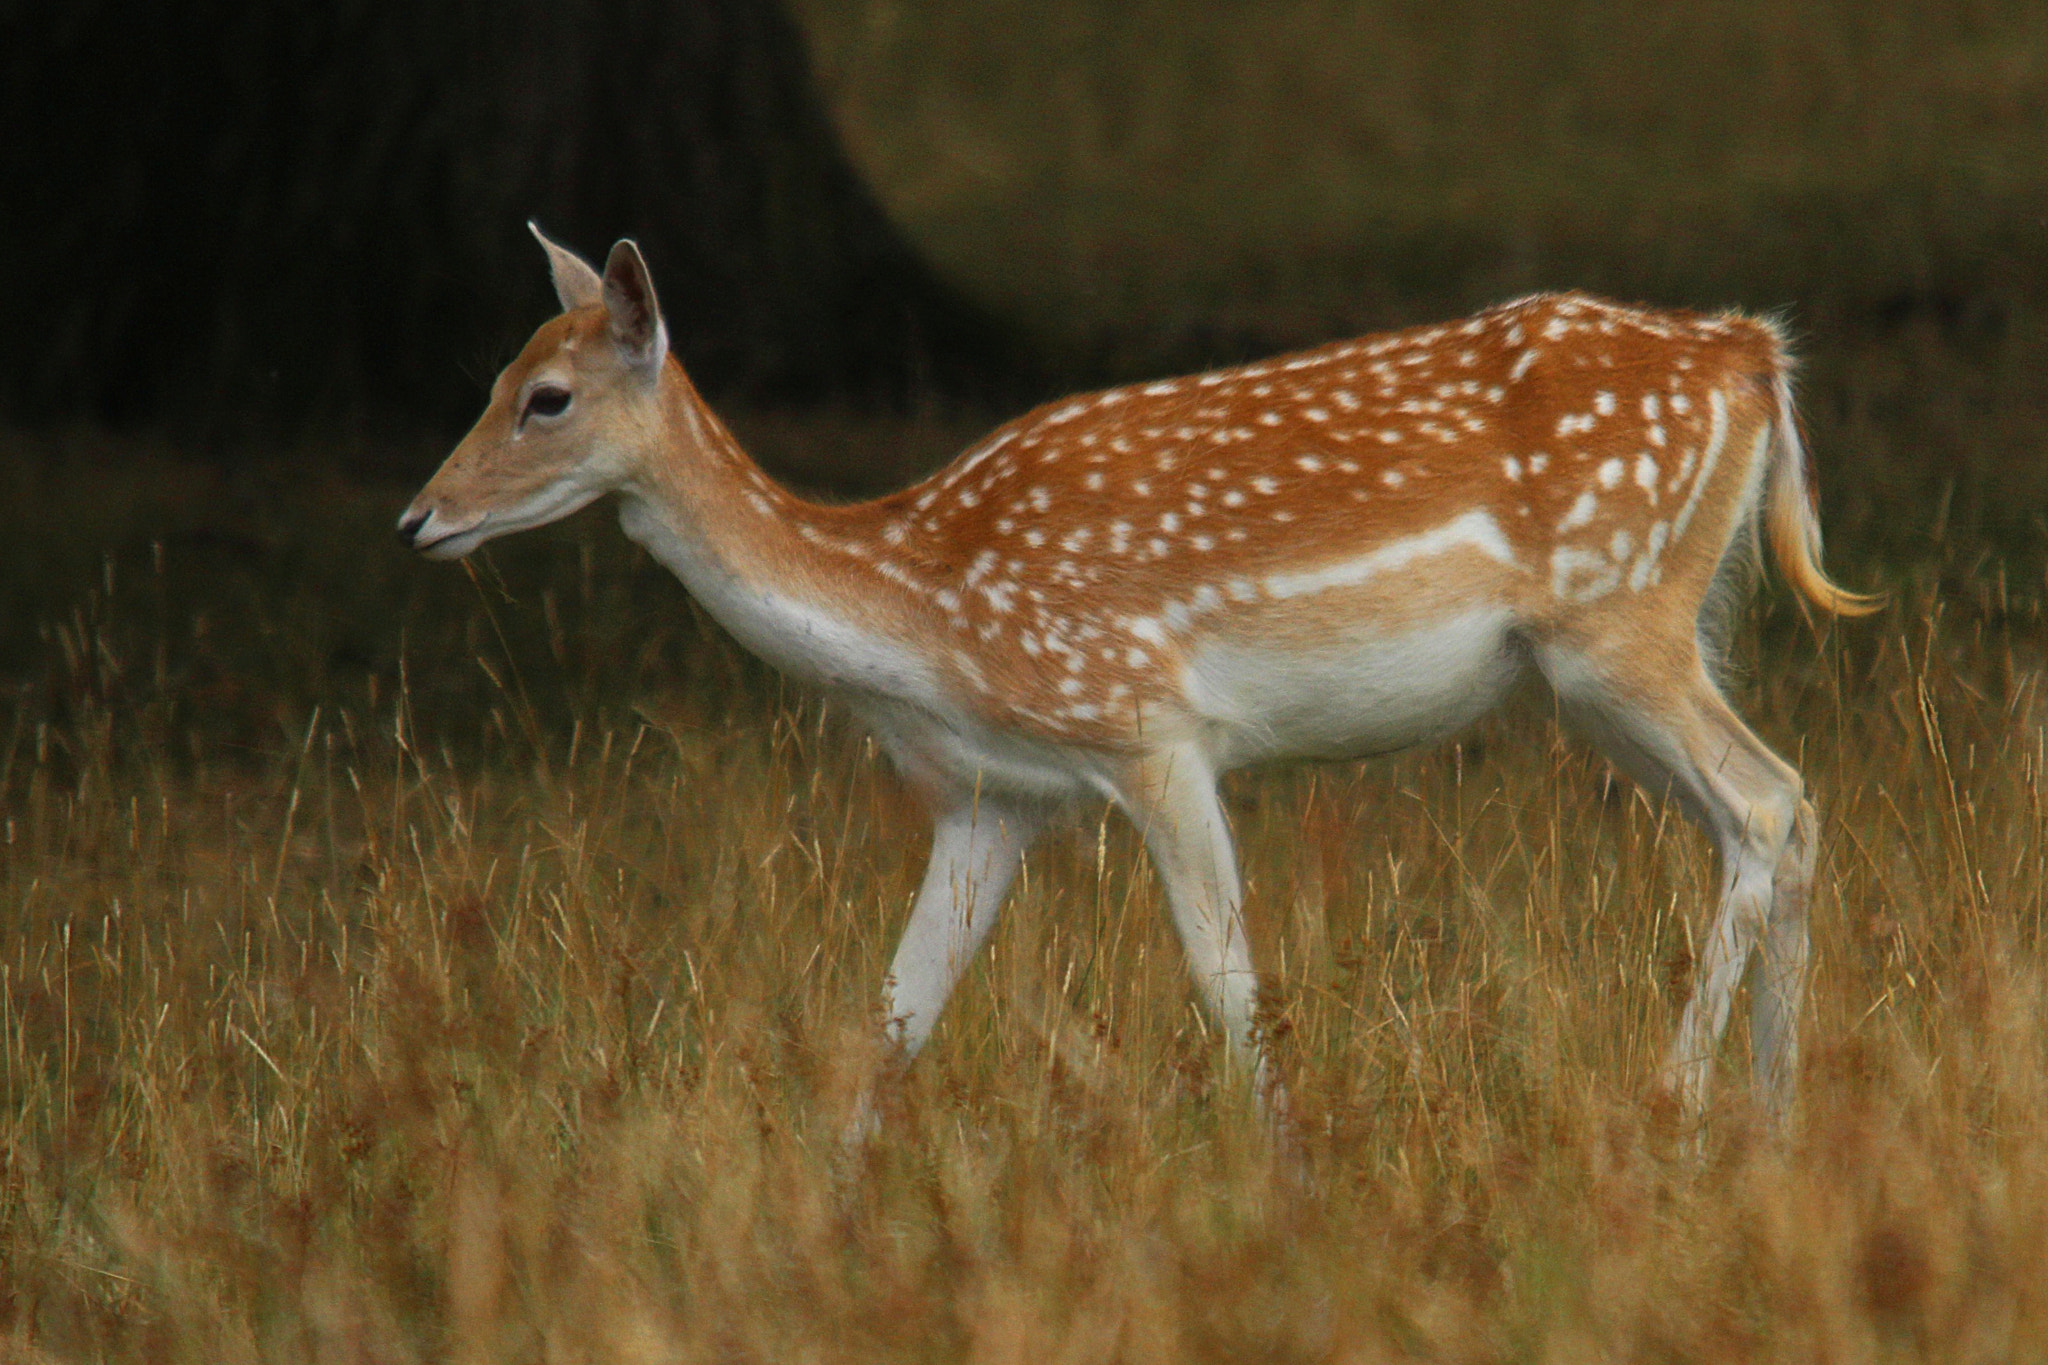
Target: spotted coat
1560, 444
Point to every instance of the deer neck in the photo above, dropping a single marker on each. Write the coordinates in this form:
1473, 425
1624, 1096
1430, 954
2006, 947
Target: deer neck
755, 557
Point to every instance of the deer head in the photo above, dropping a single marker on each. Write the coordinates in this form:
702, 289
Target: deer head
573, 418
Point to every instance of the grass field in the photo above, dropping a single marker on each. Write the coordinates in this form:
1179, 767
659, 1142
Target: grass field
409, 962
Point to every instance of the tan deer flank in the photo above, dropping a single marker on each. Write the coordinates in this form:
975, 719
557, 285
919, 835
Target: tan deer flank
1346, 551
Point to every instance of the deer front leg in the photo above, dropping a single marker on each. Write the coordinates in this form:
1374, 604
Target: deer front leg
977, 844
976, 847
1171, 797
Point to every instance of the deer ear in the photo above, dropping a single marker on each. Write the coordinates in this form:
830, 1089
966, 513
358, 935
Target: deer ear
576, 284
637, 328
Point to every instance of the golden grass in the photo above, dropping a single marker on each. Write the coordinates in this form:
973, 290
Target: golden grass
403, 965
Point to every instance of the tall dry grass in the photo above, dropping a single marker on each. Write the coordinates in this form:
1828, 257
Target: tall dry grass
401, 964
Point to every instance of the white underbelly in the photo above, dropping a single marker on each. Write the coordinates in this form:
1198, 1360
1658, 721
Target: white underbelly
946, 743
1361, 693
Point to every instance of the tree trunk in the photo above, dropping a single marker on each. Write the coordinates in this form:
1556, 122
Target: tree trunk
241, 213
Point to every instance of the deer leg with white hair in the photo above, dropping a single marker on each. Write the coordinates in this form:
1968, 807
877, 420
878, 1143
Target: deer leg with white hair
1755, 798
1692, 746
1779, 989
977, 844
1171, 797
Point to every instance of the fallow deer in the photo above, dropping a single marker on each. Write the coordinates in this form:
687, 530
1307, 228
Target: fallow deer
1341, 552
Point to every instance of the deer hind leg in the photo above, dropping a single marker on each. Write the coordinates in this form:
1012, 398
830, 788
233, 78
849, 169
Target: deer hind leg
1171, 797
1779, 989
977, 844
1685, 741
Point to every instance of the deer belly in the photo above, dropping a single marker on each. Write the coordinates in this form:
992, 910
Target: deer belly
1361, 692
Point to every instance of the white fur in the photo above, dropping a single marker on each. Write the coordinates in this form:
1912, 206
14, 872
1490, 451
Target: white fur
1717, 436
1581, 512
804, 639
1476, 529
948, 742
1581, 575
1366, 692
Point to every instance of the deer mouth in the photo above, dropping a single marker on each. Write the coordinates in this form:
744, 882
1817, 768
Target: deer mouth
438, 537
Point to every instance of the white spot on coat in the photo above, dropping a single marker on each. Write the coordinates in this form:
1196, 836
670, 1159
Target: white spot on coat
1645, 572
1717, 436
1646, 475
1581, 576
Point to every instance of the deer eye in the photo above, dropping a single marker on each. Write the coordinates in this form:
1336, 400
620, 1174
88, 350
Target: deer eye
546, 401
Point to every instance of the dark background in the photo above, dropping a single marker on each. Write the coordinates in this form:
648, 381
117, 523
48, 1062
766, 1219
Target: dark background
231, 224
242, 216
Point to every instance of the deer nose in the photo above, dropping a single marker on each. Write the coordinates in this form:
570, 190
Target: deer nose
409, 524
